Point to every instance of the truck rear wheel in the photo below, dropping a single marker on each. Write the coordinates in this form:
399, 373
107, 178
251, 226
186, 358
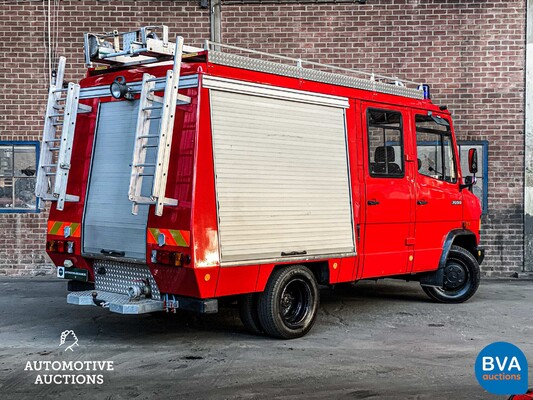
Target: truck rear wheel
249, 313
461, 278
288, 306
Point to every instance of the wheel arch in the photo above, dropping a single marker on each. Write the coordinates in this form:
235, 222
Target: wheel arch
320, 269
458, 237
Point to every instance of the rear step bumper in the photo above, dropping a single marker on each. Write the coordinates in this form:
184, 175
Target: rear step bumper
122, 304
116, 302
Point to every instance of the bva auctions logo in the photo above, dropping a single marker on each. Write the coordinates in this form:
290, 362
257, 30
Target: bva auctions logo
63, 339
501, 368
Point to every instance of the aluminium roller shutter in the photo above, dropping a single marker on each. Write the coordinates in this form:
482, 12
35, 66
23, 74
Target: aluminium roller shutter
281, 176
109, 223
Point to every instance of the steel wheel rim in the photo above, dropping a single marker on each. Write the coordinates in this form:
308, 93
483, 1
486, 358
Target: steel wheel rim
295, 303
454, 271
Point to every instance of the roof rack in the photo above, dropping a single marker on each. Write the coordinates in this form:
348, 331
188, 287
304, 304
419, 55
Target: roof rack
294, 67
141, 46
144, 46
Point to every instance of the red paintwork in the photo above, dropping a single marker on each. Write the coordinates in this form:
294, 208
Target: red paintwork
388, 224
387, 237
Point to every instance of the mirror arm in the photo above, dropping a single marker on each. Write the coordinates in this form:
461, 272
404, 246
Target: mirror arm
466, 186
469, 184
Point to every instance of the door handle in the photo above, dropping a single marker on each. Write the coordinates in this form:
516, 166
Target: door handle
421, 202
372, 202
115, 253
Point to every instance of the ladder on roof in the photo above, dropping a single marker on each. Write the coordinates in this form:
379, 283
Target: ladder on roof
58, 135
163, 110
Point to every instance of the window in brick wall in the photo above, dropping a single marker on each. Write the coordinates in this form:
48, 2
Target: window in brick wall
18, 166
480, 189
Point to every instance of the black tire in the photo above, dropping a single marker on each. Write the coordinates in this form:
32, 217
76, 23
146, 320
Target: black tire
249, 314
289, 304
461, 278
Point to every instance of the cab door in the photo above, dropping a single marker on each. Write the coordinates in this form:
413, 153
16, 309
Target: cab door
389, 192
438, 207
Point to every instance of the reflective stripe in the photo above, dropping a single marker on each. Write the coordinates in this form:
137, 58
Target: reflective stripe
173, 237
58, 228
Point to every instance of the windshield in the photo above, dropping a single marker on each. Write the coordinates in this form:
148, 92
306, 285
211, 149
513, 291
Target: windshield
435, 148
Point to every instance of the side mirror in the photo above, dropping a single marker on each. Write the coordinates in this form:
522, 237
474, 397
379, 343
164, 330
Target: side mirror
472, 161
470, 181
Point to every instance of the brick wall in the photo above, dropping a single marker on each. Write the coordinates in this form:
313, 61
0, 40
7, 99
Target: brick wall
24, 82
471, 52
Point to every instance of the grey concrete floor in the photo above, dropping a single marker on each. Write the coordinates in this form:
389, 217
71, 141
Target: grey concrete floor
382, 340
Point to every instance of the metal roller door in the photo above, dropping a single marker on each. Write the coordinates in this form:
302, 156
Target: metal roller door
281, 176
109, 223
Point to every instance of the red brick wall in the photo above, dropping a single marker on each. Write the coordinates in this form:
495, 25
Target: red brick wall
471, 52
24, 82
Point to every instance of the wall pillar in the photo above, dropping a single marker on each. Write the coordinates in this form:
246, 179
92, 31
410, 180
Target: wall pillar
528, 179
216, 21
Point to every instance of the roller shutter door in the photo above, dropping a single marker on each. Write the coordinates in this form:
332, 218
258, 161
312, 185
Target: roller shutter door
109, 223
281, 177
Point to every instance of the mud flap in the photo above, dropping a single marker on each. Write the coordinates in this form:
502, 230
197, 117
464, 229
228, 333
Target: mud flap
433, 278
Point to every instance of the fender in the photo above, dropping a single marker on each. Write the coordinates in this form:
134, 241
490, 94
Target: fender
468, 239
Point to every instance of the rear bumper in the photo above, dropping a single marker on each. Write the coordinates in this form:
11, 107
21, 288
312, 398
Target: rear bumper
116, 302
122, 304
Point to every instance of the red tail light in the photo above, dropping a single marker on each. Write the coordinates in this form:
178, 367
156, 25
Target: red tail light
60, 246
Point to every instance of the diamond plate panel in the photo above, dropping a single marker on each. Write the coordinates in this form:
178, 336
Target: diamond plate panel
270, 67
253, 64
118, 277
118, 303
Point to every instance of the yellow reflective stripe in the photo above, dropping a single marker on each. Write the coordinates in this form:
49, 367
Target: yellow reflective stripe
178, 237
58, 227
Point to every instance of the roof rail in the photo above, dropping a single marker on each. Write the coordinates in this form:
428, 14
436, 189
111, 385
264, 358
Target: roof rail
295, 67
144, 46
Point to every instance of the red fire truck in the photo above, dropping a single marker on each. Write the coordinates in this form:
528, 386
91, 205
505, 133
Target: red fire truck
181, 176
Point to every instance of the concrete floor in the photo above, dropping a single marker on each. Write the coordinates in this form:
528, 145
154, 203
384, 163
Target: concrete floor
381, 340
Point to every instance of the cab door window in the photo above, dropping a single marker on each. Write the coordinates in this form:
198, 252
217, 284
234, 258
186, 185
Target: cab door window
435, 148
385, 147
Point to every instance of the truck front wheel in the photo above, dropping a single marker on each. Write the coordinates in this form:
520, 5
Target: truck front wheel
288, 306
461, 278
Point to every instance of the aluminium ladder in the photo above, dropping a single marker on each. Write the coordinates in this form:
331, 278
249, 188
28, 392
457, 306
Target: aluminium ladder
161, 141
58, 135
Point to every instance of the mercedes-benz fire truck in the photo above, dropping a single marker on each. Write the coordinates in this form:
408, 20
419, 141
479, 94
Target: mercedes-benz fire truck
180, 176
